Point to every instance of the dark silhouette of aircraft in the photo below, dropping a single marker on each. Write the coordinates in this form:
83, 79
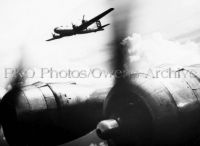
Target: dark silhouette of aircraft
61, 31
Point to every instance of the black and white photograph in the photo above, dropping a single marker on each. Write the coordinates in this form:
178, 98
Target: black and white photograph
99, 73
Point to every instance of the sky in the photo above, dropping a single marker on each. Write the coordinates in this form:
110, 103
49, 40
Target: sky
159, 31
26, 24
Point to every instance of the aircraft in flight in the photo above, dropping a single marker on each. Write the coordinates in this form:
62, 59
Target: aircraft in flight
61, 31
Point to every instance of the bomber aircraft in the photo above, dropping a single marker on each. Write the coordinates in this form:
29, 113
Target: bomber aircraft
61, 31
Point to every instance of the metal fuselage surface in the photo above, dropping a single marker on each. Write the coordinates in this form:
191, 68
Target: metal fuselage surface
61, 32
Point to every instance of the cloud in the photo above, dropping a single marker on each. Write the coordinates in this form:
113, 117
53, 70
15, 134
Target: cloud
154, 50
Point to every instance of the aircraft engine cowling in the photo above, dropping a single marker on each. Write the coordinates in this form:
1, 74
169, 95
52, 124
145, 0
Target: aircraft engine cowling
50, 114
98, 23
154, 110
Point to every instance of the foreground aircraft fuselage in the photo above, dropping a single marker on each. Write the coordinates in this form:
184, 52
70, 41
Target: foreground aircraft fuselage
60, 32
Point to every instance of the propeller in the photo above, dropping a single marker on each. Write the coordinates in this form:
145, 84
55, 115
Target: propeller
15, 84
18, 78
119, 62
120, 67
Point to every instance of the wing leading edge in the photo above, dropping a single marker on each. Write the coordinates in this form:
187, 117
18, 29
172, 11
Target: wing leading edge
88, 23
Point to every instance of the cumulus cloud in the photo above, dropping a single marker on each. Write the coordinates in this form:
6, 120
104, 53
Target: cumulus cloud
154, 50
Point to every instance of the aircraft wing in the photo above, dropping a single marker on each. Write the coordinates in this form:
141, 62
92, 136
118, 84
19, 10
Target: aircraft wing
88, 23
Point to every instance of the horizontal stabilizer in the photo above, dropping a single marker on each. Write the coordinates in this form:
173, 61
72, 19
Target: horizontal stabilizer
104, 26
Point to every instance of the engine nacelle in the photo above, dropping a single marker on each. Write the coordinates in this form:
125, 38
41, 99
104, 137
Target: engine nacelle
98, 23
50, 114
149, 110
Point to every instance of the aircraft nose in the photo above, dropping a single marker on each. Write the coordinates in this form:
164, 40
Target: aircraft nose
56, 29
